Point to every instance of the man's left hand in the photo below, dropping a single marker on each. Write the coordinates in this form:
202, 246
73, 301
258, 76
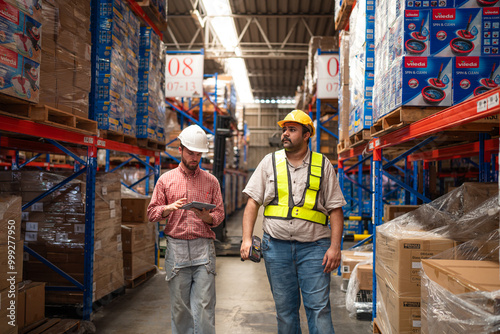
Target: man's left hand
204, 215
331, 260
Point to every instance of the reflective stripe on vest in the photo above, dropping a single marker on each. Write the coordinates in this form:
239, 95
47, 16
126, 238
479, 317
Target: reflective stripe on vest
285, 207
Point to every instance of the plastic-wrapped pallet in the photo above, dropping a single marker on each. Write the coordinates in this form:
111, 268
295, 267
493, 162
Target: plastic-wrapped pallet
460, 288
463, 214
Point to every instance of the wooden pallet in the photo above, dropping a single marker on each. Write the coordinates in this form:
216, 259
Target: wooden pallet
344, 13
52, 326
15, 110
62, 119
150, 144
342, 145
376, 327
362, 137
401, 117
134, 282
118, 137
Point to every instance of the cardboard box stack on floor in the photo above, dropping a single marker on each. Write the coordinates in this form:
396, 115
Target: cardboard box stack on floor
54, 227
429, 231
139, 237
350, 258
460, 296
11, 261
31, 301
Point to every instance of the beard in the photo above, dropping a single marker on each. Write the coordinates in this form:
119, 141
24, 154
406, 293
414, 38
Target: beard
191, 165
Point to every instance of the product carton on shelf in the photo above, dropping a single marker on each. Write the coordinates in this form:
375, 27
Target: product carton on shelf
135, 209
31, 303
464, 31
473, 76
394, 211
8, 314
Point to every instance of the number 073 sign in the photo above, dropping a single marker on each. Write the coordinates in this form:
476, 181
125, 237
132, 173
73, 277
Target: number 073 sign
184, 75
328, 76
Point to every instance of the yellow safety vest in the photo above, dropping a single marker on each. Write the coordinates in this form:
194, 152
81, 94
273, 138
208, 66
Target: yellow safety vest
285, 208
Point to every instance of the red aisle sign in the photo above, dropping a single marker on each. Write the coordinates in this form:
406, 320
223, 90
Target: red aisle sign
184, 75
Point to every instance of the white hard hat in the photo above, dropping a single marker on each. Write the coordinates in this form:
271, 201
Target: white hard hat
194, 139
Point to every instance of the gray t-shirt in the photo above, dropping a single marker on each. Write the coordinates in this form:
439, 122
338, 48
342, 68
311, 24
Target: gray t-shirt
261, 188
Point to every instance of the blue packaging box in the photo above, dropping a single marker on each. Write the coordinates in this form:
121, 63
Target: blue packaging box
108, 87
465, 31
19, 76
411, 34
20, 32
106, 8
363, 116
422, 81
109, 116
142, 103
473, 76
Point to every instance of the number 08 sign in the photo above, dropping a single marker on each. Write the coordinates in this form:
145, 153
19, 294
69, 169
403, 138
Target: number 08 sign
328, 77
184, 76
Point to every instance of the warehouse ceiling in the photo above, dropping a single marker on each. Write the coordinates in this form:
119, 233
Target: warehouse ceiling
273, 37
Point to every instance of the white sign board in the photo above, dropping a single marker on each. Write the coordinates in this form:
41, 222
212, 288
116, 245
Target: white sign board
184, 75
328, 76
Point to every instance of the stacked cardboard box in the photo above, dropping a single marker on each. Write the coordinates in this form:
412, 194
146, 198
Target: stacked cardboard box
11, 261
65, 70
464, 295
432, 229
138, 236
54, 227
349, 260
20, 39
151, 109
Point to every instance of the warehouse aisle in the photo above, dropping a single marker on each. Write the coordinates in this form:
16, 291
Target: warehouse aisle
244, 301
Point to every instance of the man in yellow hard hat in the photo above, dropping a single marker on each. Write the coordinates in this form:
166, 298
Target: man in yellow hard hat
190, 254
301, 195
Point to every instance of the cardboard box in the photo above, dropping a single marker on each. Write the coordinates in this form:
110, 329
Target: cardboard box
365, 276
396, 313
445, 282
462, 276
464, 31
399, 255
410, 35
8, 306
137, 263
11, 261
394, 211
33, 297
20, 32
421, 81
135, 210
10, 218
20, 76
351, 258
473, 76
137, 236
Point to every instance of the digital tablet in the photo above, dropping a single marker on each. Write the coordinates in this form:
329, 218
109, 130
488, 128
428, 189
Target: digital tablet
198, 205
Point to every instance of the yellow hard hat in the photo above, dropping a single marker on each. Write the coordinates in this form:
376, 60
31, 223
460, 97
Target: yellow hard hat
298, 116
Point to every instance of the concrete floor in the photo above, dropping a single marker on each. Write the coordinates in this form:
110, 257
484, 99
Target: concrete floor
244, 301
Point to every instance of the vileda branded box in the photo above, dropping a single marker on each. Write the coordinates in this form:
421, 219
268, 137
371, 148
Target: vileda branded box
473, 76
411, 34
464, 31
422, 81
19, 76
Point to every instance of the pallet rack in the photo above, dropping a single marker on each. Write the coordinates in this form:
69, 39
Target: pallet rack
84, 145
424, 132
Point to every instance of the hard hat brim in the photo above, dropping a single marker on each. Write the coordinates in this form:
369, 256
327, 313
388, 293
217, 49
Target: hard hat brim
281, 123
195, 149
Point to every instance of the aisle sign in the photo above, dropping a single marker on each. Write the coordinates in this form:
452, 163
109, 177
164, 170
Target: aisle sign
184, 75
327, 67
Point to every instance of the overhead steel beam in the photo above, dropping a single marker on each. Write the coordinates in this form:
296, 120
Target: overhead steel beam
250, 16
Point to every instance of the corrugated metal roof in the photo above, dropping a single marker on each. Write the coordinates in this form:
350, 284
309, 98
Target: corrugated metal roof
274, 39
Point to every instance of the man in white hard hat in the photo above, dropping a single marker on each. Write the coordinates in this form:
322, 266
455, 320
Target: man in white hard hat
301, 196
190, 254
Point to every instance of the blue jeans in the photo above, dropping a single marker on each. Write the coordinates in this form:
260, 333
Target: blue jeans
293, 268
192, 294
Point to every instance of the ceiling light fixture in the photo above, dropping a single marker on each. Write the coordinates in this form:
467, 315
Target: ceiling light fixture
223, 25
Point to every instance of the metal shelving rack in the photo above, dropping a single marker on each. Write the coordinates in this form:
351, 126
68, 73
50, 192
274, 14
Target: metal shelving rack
481, 106
82, 143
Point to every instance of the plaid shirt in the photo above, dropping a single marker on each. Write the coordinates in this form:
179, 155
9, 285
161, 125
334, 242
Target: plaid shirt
201, 187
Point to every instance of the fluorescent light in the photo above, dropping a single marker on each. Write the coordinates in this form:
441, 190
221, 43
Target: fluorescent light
226, 32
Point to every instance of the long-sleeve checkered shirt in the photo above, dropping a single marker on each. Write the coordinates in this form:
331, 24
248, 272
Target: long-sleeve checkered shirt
176, 184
